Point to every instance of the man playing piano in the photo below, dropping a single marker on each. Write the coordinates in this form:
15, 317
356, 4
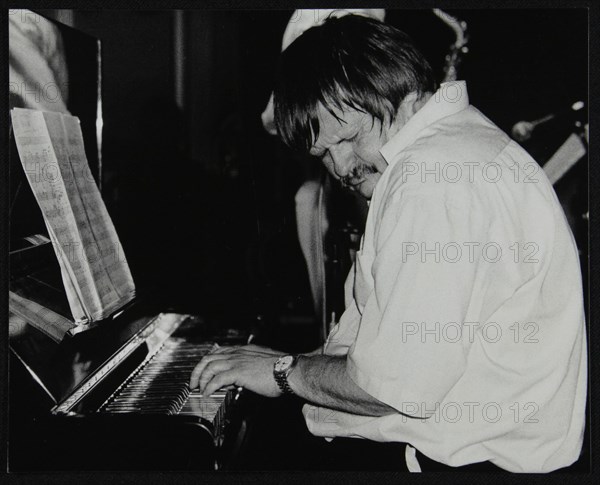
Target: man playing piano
464, 332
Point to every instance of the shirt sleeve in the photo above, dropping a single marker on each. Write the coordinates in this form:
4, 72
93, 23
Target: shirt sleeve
409, 352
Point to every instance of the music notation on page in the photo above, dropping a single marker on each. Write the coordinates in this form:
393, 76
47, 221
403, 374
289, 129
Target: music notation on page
94, 269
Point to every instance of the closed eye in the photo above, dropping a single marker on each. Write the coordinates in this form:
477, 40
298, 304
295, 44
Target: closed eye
323, 152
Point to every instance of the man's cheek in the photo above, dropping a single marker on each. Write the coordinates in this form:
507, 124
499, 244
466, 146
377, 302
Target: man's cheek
367, 158
329, 168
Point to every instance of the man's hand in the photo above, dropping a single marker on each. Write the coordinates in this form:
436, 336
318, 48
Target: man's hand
253, 348
250, 366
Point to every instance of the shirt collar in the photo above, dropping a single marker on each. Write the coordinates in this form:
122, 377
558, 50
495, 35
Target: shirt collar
451, 98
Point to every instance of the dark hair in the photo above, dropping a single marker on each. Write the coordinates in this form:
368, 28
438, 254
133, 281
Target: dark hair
354, 61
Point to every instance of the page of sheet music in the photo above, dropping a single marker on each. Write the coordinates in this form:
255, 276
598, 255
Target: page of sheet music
100, 245
42, 171
94, 270
105, 244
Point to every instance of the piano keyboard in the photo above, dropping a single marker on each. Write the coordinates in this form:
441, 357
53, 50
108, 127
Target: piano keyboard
160, 386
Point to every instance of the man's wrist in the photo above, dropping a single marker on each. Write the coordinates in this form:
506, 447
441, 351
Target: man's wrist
282, 368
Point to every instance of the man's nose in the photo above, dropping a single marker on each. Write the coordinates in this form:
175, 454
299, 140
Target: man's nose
341, 158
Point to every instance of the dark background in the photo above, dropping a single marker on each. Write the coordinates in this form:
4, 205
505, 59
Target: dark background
203, 198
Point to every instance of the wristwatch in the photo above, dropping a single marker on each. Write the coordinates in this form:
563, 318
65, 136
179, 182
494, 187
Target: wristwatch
281, 370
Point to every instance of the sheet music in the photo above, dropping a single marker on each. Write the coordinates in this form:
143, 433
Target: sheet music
114, 264
94, 270
42, 318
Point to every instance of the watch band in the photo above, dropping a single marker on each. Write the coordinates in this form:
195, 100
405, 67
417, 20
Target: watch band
282, 378
282, 382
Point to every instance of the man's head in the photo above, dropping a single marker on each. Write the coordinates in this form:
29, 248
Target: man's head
344, 89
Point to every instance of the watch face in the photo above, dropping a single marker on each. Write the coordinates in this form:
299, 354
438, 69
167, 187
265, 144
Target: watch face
283, 363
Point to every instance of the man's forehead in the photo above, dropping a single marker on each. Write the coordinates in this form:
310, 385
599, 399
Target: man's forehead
337, 117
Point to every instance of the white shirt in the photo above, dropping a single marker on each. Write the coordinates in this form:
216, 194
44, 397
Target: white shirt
465, 305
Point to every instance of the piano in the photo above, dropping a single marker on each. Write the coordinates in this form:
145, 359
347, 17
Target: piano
116, 397
113, 396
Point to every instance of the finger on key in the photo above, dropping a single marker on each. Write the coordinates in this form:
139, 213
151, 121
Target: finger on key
220, 380
212, 370
197, 372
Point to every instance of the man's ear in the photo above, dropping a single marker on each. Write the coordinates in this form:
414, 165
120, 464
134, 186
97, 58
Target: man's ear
407, 108
412, 103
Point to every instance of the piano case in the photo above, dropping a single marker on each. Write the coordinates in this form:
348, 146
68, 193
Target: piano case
57, 420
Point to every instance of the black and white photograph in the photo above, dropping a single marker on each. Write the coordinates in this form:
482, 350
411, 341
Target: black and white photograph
315, 240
